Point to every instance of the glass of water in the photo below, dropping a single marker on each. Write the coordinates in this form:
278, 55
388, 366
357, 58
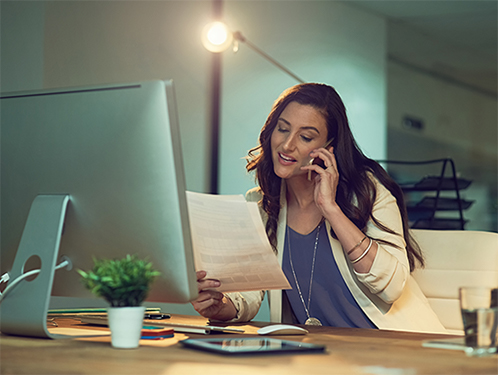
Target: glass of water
479, 306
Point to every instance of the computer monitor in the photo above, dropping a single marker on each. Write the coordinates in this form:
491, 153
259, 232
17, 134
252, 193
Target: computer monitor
103, 167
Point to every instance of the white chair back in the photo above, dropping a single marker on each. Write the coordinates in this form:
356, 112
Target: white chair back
455, 259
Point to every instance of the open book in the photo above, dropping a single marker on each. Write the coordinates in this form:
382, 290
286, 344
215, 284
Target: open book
231, 245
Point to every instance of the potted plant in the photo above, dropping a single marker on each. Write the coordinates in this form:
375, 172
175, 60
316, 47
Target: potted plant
124, 283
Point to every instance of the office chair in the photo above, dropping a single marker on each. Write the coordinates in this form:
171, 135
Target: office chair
455, 259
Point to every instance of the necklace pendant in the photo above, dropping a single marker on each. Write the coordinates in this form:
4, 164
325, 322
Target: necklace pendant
312, 322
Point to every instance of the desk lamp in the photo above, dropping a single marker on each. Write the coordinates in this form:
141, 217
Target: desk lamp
217, 38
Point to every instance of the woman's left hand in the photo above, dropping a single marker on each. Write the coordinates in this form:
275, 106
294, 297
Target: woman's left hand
210, 303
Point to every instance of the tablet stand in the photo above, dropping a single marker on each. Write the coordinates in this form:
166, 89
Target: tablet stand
24, 310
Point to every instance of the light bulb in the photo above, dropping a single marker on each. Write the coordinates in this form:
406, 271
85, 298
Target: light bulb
216, 37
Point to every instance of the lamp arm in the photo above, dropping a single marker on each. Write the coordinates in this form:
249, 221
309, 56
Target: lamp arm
239, 37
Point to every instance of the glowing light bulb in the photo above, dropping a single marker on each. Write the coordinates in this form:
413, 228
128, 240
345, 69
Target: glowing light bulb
216, 37
217, 34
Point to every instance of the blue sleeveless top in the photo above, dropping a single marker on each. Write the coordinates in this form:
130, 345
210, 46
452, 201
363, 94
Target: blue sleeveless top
331, 301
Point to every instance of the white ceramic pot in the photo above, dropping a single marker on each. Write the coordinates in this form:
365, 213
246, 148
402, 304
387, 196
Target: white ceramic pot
126, 326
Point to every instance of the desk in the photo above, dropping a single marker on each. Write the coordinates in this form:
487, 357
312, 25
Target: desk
349, 351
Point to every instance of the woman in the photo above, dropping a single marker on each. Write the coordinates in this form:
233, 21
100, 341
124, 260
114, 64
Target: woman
336, 221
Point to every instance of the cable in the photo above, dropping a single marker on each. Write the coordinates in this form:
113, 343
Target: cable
5, 277
65, 263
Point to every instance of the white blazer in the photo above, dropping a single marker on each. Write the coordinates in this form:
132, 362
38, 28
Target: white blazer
387, 294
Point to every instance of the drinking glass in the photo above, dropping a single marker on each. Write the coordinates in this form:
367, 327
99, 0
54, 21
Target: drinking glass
479, 307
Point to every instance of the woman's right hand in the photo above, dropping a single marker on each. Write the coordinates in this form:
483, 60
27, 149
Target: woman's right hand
327, 179
211, 303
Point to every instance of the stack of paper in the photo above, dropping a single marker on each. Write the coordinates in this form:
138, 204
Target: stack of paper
231, 245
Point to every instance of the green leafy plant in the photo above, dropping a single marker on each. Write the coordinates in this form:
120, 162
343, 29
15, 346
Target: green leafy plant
124, 282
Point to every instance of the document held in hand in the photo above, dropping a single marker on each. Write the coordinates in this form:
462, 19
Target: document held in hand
231, 245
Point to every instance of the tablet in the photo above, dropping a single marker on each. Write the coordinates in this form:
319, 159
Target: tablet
251, 345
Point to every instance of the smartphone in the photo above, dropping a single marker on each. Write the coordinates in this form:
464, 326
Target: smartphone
318, 161
251, 345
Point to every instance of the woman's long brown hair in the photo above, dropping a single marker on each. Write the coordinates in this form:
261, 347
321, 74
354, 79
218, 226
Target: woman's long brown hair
356, 192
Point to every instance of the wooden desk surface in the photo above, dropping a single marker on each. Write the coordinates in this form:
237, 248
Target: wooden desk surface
349, 351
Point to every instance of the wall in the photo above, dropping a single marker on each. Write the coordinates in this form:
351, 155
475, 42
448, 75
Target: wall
460, 120
21, 42
74, 43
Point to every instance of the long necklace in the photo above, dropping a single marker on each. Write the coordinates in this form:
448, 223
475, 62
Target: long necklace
310, 321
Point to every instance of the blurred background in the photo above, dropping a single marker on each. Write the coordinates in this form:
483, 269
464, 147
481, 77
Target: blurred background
419, 78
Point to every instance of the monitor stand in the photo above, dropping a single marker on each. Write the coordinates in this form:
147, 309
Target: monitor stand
23, 311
